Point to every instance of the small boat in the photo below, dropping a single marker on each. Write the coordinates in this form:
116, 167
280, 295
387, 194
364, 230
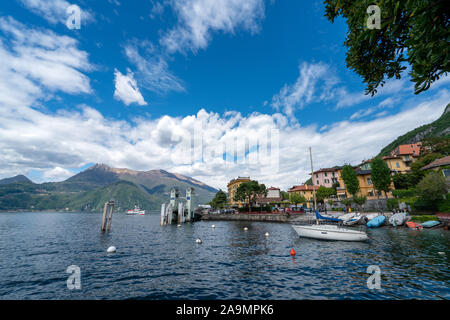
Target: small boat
397, 219
355, 220
376, 222
329, 232
413, 225
347, 216
430, 223
136, 210
371, 216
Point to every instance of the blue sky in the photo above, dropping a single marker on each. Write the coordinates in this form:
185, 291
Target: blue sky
138, 76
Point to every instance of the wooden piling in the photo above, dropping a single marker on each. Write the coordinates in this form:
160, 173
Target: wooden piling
108, 210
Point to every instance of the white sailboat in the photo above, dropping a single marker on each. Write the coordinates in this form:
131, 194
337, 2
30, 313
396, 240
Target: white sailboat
326, 231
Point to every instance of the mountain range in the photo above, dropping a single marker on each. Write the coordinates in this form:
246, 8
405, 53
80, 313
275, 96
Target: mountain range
90, 189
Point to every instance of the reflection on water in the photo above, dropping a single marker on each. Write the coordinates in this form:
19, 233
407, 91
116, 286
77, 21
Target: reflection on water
154, 262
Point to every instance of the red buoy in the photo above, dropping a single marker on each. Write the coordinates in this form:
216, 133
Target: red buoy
292, 252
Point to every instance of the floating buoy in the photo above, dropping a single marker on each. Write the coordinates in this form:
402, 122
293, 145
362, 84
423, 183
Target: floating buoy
213, 226
199, 241
292, 252
111, 249
179, 225
267, 234
245, 228
441, 253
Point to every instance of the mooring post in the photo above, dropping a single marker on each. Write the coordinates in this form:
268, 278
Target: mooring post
163, 211
105, 212
111, 210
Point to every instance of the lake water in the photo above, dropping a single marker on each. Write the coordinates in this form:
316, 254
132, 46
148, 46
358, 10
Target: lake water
154, 262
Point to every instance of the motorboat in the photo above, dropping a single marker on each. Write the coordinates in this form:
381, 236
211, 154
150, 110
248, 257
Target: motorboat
397, 219
135, 211
329, 232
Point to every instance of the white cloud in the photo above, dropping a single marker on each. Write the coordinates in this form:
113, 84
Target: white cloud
313, 78
152, 69
126, 89
35, 62
54, 11
198, 19
56, 174
30, 139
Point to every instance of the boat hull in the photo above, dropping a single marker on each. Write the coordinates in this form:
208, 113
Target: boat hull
335, 233
376, 222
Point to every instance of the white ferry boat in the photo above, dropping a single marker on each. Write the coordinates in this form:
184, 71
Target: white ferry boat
136, 210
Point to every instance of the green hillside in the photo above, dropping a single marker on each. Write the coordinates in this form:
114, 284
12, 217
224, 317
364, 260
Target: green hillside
438, 128
125, 195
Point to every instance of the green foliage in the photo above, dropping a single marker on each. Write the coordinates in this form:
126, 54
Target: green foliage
403, 181
413, 31
444, 205
360, 200
392, 204
347, 201
380, 175
309, 182
248, 192
423, 218
404, 193
220, 200
323, 193
432, 187
350, 179
285, 195
297, 198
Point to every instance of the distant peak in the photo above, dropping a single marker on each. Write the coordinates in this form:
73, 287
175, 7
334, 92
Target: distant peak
100, 166
447, 109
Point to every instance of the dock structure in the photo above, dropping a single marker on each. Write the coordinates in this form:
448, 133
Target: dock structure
177, 211
108, 210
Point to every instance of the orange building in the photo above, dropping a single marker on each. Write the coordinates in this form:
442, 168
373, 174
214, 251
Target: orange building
306, 191
232, 187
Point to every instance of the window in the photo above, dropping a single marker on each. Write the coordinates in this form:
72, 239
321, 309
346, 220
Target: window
317, 182
369, 181
332, 174
327, 181
317, 175
397, 165
446, 173
325, 174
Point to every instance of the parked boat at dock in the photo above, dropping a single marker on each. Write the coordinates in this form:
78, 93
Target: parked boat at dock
356, 219
397, 219
371, 216
430, 223
376, 222
329, 232
413, 225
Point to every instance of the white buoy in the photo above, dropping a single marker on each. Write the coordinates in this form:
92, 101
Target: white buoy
441, 253
245, 228
179, 225
267, 234
111, 249
213, 226
199, 241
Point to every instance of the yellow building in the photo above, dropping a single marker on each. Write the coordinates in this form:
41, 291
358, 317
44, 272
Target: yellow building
232, 187
366, 187
306, 191
399, 164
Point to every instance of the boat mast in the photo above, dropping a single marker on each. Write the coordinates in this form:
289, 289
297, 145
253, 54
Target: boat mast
312, 179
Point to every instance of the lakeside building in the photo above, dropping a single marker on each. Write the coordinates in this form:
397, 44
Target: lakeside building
442, 164
399, 164
232, 187
273, 197
306, 191
326, 177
